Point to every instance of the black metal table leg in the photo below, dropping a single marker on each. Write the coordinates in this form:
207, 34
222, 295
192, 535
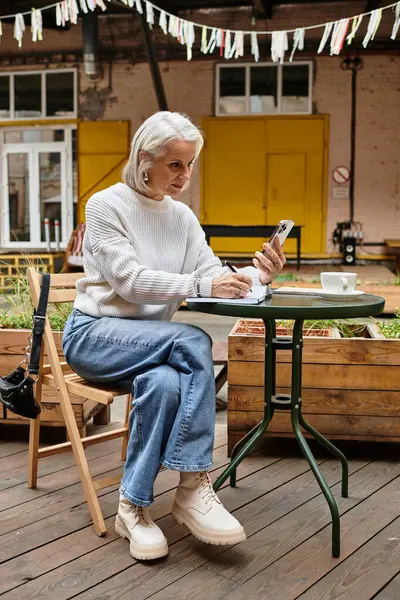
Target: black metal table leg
244, 446
295, 414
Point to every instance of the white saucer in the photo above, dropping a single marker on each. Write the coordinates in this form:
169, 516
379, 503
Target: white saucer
319, 292
340, 295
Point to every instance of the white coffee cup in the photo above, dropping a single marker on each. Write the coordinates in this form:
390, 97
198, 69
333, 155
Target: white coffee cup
339, 283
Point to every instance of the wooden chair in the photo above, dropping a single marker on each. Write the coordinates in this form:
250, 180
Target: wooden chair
59, 376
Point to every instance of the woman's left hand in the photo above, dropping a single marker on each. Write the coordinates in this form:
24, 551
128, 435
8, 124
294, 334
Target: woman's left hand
271, 262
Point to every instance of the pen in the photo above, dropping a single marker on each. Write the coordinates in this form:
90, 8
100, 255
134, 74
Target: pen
233, 269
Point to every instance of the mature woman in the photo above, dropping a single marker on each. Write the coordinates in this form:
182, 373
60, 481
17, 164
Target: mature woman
143, 254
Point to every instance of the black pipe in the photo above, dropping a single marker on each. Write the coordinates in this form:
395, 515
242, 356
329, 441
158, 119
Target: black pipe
353, 140
153, 64
90, 33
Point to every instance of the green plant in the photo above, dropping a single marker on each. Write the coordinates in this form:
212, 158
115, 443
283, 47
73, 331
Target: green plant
17, 310
287, 277
347, 328
391, 329
397, 280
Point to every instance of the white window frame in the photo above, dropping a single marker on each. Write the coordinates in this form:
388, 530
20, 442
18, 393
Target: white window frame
67, 209
11, 75
249, 66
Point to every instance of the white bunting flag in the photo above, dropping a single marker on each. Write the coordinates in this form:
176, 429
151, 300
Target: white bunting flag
373, 25
204, 40
325, 36
36, 25
19, 28
83, 5
189, 39
338, 36
228, 44
150, 14
279, 46
298, 41
212, 42
73, 11
396, 25
163, 21
354, 28
254, 46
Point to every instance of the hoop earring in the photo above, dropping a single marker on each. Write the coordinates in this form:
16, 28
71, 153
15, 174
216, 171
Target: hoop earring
145, 177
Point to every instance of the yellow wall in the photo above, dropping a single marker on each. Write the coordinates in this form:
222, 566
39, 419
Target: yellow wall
103, 149
258, 170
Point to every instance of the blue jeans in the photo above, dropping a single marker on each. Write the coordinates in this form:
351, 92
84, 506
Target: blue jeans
168, 367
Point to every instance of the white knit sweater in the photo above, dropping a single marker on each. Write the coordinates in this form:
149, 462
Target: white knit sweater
141, 256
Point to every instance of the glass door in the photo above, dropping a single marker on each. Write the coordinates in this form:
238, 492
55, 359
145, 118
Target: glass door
38, 186
50, 164
18, 207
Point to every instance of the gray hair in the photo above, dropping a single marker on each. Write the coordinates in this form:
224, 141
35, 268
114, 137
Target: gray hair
152, 137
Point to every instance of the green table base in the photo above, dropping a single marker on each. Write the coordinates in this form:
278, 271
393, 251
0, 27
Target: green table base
292, 403
297, 308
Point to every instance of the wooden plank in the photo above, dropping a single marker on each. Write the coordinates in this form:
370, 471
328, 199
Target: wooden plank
54, 474
65, 280
77, 385
14, 341
60, 296
340, 425
270, 478
391, 591
324, 401
284, 559
194, 584
51, 412
86, 441
321, 351
72, 514
138, 580
371, 377
364, 573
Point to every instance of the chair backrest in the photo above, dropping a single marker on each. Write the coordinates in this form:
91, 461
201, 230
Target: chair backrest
62, 286
62, 289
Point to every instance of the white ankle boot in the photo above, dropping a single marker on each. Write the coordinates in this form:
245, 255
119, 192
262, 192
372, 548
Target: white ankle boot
198, 507
147, 541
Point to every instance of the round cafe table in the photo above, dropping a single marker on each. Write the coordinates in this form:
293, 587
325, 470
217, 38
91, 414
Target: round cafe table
297, 308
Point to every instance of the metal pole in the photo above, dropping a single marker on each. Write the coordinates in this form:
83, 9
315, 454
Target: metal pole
353, 140
153, 64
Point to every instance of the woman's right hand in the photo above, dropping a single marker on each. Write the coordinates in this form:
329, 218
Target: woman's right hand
232, 285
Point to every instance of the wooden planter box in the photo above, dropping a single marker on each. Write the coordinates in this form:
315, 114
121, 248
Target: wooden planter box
351, 387
12, 350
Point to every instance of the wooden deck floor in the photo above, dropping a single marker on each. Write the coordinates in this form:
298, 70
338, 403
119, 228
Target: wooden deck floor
48, 548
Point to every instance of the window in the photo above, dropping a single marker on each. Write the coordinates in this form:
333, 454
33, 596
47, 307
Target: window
38, 94
264, 89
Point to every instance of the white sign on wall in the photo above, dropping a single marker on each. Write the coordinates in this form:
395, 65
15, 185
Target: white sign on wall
340, 193
341, 174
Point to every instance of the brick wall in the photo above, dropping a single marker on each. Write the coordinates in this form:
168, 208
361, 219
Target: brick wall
190, 89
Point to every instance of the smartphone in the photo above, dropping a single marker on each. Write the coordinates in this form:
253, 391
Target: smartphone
281, 231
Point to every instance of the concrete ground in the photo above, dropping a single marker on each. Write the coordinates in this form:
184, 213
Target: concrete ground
218, 328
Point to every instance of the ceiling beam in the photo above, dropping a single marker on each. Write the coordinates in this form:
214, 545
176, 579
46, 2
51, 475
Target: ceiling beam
372, 5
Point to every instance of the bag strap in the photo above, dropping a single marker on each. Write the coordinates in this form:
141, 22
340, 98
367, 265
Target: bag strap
39, 321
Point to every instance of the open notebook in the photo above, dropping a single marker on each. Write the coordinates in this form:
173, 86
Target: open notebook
258, 295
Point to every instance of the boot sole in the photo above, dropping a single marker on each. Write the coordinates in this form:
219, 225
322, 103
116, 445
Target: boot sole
140, 552
217, 538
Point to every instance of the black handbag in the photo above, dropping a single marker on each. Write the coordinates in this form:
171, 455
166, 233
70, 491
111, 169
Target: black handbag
16, 389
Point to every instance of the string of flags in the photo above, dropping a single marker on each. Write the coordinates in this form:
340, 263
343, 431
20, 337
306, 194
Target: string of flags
229, 42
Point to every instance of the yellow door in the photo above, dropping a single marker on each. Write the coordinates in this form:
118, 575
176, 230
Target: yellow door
234, 171
296, 176
103, 148
257, 171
